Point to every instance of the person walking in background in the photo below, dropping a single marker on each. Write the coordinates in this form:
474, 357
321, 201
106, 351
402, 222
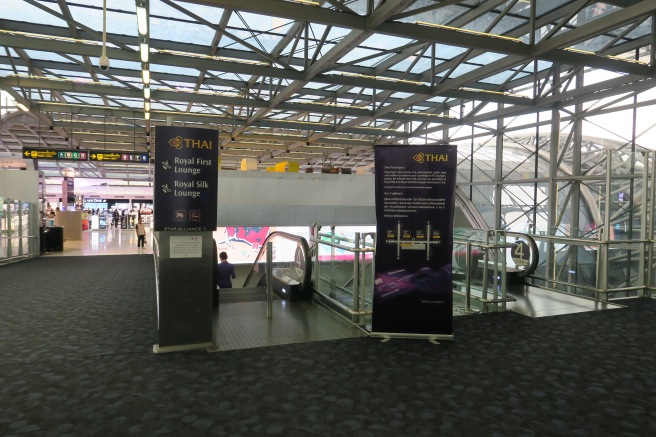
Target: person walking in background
115, 218
225, 272
141, 233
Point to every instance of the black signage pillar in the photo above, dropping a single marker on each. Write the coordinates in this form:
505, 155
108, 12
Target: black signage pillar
415, 195
185, 198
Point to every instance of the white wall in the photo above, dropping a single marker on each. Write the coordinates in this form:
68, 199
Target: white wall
294, 199
20, 185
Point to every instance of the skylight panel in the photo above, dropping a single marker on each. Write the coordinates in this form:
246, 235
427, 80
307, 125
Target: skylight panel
158, 68
593, 45
463, 69
419, 66
437, 16
544, 6
356, 54
314, 85
507, 24
400, 95
46, 56
256, 21
448, 52
180, 31
500, 78
19, 10
128, 65
486, 58
643, 29
159, 10
122, 22
385, 42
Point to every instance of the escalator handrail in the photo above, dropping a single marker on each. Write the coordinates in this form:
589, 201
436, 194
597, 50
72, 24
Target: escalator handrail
299, 240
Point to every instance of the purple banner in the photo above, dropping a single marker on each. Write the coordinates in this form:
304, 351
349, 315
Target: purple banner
415, 196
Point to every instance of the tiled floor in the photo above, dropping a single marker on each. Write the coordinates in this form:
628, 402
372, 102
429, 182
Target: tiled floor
110, 241
537, 302
300, 322
238, 325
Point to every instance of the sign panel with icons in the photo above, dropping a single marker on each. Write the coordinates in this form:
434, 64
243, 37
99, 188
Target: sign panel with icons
109, 156
55, 154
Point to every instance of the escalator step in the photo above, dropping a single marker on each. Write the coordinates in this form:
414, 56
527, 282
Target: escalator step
234, 295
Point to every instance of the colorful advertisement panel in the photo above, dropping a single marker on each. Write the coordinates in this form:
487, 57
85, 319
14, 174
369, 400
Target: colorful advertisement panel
186, 174
415, 195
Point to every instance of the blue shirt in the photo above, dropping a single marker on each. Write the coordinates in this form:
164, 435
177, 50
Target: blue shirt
225, 271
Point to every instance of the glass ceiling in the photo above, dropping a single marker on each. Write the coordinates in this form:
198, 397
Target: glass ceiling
335, 77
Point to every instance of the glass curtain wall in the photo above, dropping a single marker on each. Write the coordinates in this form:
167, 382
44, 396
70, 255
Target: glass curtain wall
19, 226
578, 178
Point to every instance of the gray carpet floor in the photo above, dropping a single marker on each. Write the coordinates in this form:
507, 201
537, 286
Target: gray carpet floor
76, 337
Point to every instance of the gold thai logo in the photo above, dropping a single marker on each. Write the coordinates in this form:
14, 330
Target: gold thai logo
190, 143
176, 142
430, 157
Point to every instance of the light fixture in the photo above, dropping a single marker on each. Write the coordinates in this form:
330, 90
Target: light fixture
143, 48
145, 76
147, 106
147, 115
142, 19
146, 91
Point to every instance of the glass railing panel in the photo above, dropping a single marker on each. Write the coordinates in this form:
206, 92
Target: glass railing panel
344, 269
18, 229
624, 270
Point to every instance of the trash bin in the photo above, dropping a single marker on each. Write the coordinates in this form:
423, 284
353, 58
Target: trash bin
42, 238
54, 239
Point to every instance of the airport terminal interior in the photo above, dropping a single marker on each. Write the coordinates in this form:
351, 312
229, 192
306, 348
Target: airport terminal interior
549, 105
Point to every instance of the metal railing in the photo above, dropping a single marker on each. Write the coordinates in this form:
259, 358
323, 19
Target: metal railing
483, 263
599, 270
343, 272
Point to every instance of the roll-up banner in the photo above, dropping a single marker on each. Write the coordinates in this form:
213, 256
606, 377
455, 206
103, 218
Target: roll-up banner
186, 173
415, 196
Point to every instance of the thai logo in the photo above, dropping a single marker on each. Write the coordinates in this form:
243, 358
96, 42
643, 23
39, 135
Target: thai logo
176, 142
190, 143
430, 157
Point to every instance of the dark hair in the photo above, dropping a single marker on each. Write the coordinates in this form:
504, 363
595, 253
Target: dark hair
223, 255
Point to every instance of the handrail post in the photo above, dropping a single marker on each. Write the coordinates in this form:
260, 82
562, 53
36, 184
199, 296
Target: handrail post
356, 274
269, 279
468, 261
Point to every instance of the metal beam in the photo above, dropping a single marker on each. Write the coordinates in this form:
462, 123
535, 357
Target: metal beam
599, 26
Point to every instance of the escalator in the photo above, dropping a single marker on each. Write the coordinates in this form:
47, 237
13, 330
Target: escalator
290, 270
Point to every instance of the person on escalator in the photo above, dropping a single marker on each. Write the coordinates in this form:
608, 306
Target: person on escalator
225, 272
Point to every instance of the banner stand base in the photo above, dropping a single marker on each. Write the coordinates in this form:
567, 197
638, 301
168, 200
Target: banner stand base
180, 348
433, 338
